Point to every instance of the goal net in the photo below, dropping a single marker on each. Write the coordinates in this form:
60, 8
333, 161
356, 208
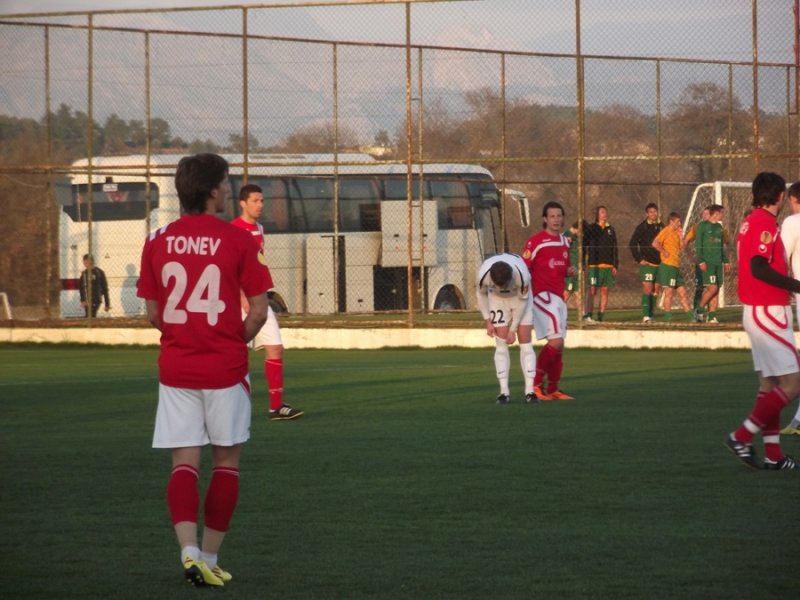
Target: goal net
736, 198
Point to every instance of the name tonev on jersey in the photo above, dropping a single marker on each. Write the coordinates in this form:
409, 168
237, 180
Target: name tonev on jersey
192, 245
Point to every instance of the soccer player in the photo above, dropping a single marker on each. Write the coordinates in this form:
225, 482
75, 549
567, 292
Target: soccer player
251, 202
790, 236
711, 260
504, 299
192, 271
690, 236
668, 244
546, 255
572, 285
647, 257
603, 261
764, 290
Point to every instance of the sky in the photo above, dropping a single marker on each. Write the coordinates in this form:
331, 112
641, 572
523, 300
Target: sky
717, 28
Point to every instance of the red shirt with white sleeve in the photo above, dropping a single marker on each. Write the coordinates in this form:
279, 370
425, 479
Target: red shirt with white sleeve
759, 236
547, 257
194, 268
256, 231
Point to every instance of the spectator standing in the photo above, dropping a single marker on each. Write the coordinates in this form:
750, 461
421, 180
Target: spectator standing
192, 271
94, 285
648, 259
546, 255
504, 299
603, 260
711, 260
764, 290
668, 244
251, 203
572, 284
690, 236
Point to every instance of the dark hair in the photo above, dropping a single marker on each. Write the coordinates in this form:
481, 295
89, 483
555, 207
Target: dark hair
250, 188
597, 212
548, 206
196, 177
794, 190
672, 216
715, 208
501, 273
651, 205
767, 189
88, 257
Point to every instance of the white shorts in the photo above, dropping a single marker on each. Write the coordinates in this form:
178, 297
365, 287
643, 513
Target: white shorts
186, 418
549, 316
503, 309
269, 334
772, 339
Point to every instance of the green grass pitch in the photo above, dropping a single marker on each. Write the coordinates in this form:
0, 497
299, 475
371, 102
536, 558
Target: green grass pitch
404, 480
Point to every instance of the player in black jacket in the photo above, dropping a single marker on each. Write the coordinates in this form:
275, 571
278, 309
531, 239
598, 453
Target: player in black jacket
602, 259
648, 258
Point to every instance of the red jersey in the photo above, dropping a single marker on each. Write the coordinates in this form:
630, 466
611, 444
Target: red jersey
257, 234
759, 236
194, 268
547, 257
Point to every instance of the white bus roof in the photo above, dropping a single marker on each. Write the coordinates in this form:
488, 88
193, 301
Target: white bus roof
279, 164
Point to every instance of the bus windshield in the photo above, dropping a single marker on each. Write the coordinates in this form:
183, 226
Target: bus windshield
110, 202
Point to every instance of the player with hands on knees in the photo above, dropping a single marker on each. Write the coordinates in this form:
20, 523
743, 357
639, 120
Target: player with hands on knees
504, 299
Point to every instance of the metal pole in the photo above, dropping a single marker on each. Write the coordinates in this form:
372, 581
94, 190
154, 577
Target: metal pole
336, 246
90, 155
503, 150
581, 155
245, 103
148, 131
409, 170
756, 124
51, 195
423, 288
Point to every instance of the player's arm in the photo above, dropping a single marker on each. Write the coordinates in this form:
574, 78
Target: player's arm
482, 299
256, 316
762, 270
634, 244
153, 314
659, 246
700, 246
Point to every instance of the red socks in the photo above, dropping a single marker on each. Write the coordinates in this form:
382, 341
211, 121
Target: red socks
549, 362
273, 372
183, 498
221, 497
554, 375
766, 417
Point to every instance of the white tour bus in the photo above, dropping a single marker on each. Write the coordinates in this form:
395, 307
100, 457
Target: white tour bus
358, 266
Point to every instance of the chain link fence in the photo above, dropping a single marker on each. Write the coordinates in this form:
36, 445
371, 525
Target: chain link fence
397, 143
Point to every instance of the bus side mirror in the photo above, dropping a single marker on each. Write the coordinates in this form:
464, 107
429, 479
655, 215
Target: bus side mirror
521, 201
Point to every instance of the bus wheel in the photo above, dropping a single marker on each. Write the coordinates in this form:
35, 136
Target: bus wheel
447, 299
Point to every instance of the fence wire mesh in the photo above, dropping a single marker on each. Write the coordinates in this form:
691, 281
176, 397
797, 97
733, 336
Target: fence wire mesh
348, 113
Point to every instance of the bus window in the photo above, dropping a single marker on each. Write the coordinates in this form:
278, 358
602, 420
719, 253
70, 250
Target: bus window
275, 217
452, 204
110, 202
396, 188
359, 205
311, 201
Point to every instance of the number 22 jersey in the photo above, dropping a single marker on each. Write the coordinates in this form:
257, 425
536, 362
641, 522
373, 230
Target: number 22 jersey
194, 268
